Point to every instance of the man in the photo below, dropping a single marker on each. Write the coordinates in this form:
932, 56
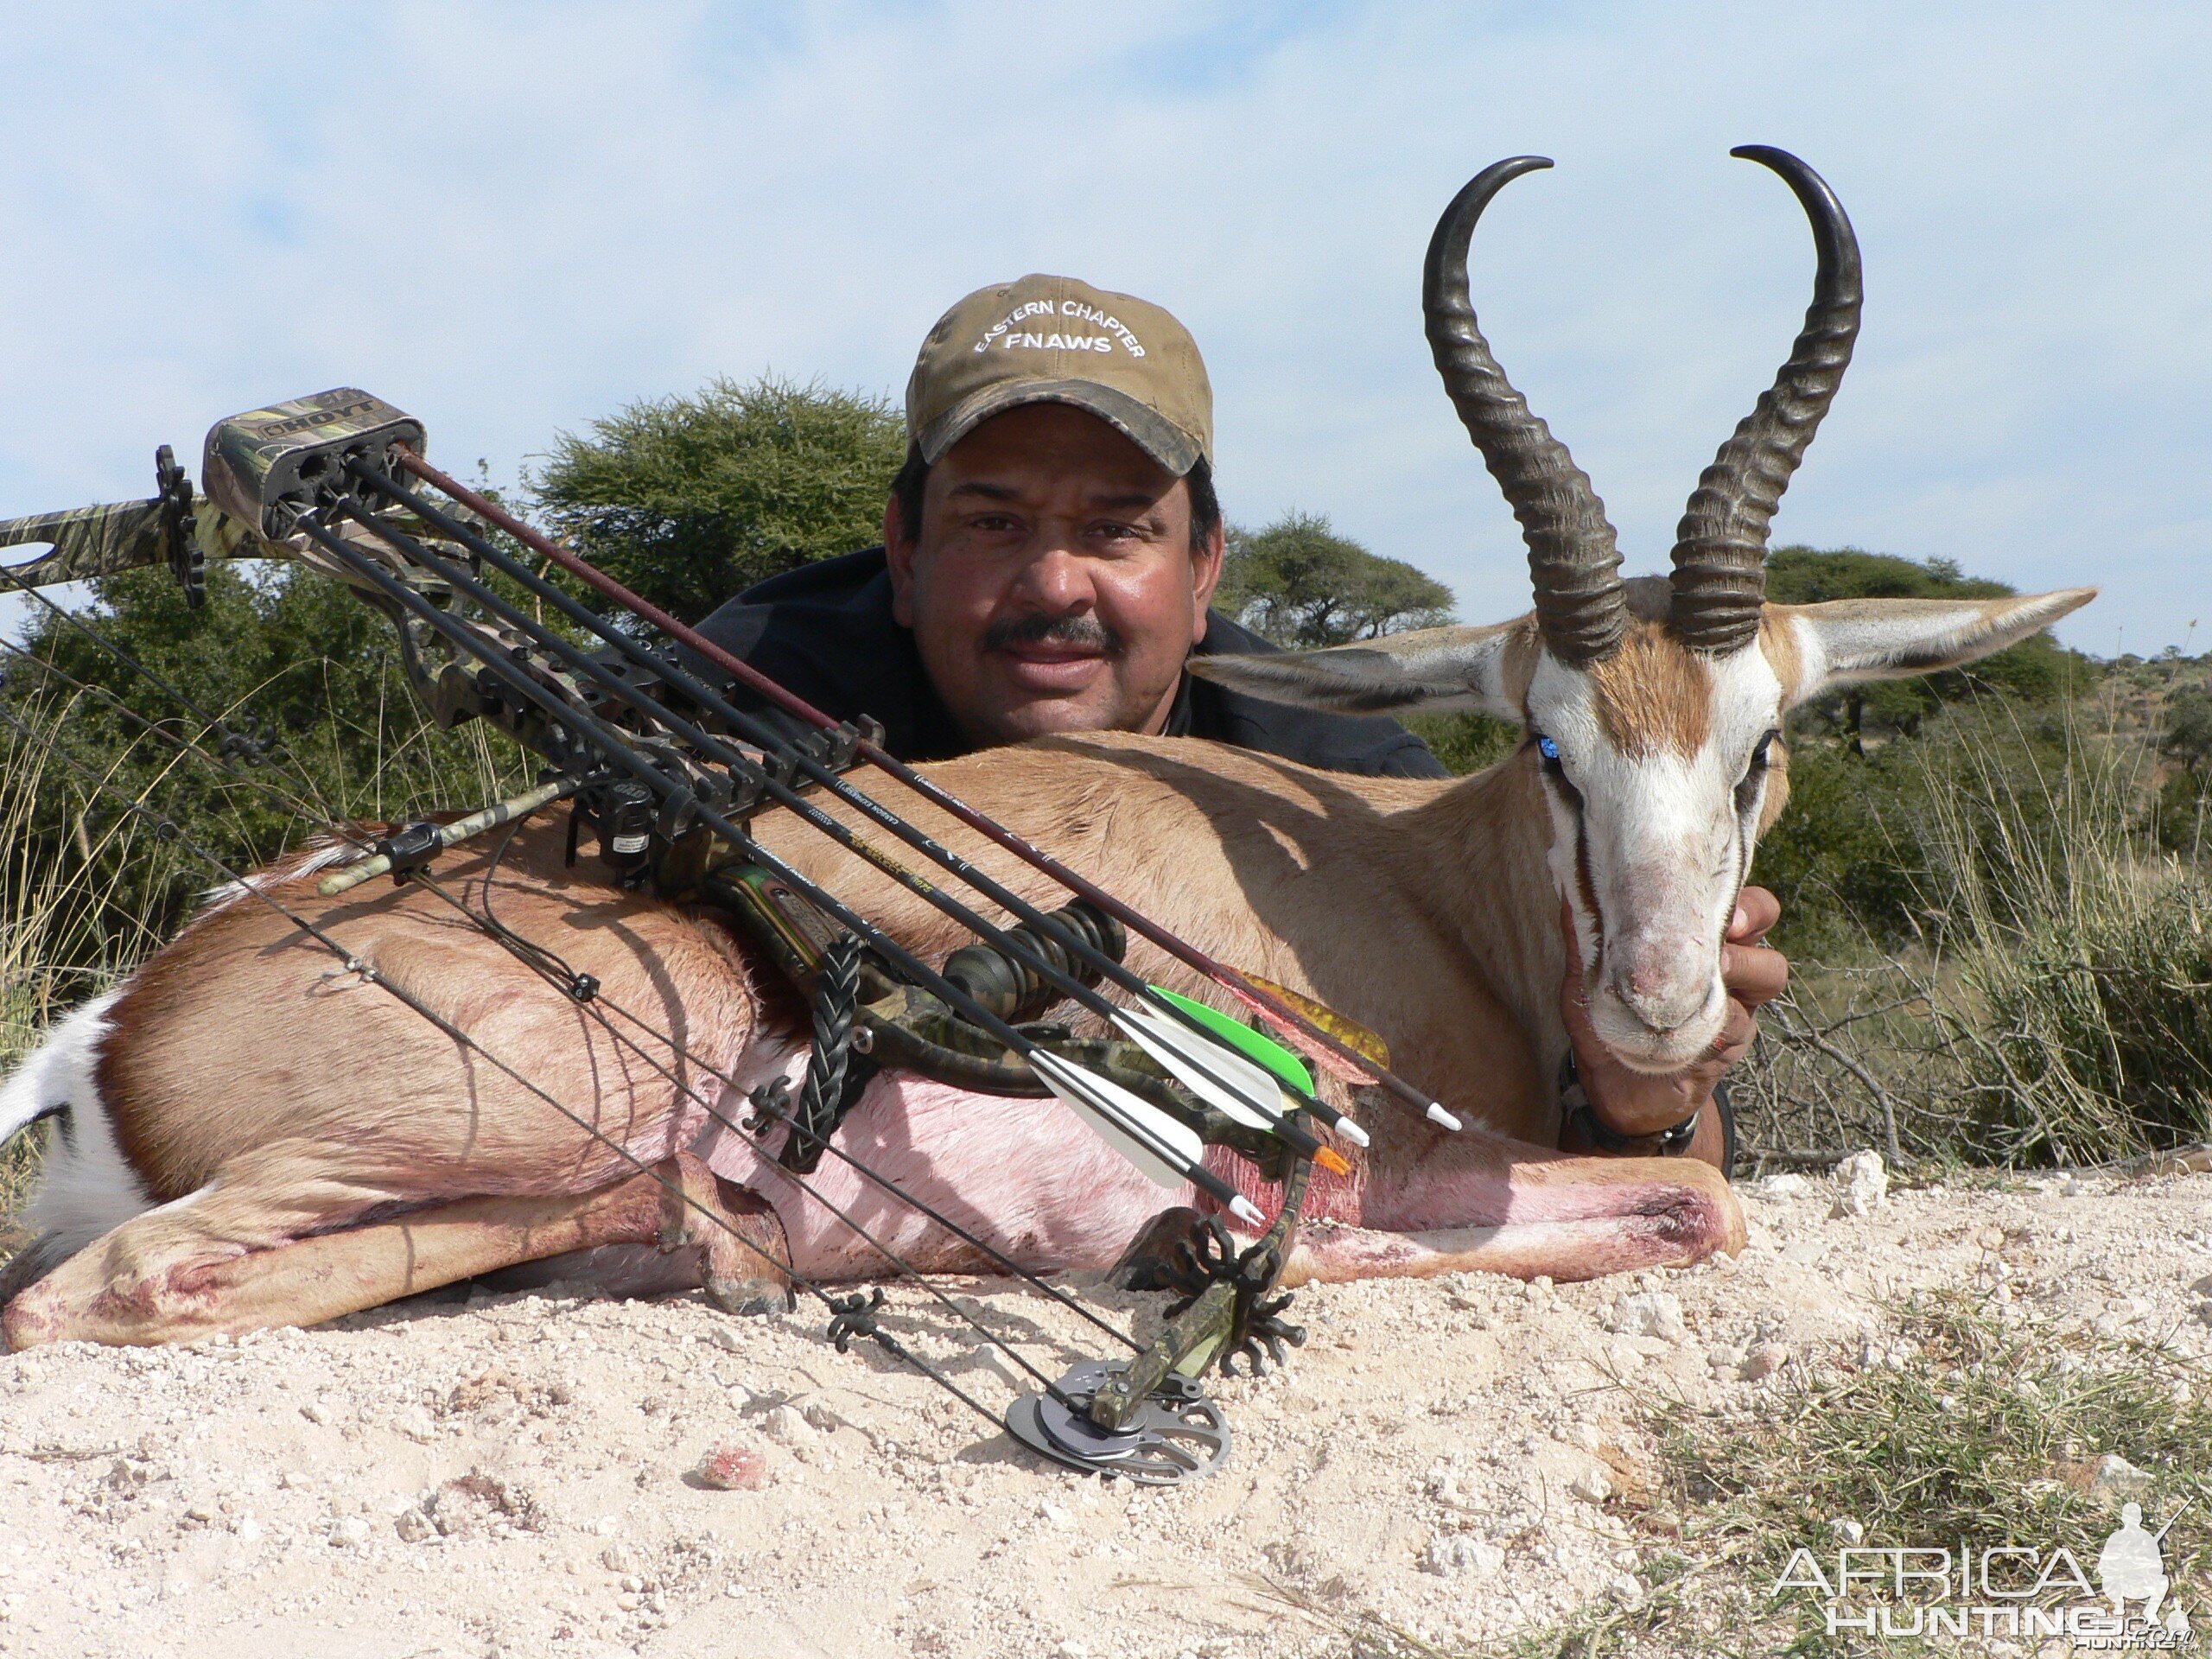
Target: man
1050, 550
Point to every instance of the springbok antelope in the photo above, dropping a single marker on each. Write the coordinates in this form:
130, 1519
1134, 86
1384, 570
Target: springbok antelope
251, 1135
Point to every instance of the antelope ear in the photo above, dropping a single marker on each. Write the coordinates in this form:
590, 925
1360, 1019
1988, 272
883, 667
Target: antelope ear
1816, 648
1486, 670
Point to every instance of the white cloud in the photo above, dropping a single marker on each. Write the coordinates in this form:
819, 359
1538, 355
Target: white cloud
508, 219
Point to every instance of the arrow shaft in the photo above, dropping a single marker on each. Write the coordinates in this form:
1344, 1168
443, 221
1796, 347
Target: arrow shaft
1338, 1055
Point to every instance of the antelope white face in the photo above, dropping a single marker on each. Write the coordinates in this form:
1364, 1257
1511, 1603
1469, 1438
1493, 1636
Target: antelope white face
1659, 765
1655, 766
1653, 709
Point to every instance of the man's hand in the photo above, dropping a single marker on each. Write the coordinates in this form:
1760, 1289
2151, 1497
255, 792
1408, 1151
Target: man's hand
1634, 1102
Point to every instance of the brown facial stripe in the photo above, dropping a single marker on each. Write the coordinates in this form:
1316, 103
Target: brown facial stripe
1589, 888
1584, 885
1778, 641
1777, 784
1654, 695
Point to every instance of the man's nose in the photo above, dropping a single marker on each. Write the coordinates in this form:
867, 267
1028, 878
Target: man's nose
1055, 581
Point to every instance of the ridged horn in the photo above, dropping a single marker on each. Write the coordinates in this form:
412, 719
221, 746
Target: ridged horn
1720, 578
1572, 560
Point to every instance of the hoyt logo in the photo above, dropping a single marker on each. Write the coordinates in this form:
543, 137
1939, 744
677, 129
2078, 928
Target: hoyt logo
2007, 1590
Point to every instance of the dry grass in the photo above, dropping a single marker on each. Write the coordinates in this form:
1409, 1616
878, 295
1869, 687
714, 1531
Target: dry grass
2057, 1008
41, 905
1974, 1427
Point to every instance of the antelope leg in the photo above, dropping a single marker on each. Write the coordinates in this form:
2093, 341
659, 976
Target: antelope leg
194, 1283
1523, 1212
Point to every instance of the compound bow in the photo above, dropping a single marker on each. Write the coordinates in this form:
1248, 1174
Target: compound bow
668, 770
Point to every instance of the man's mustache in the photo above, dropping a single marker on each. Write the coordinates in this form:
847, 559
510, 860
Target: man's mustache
1081, 632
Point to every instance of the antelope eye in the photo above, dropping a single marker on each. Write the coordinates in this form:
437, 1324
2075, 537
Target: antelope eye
1759, 754
1549, 750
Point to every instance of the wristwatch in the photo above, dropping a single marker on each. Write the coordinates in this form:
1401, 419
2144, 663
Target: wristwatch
1576, 1111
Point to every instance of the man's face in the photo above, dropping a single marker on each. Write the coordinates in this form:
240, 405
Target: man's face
1052, 586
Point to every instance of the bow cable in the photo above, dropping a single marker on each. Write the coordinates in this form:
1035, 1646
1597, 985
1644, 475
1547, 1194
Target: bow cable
1209, 1066
1338, 1056
611, 744
165, 828
751, 729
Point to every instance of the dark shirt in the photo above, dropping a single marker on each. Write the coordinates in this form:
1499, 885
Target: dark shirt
826, 630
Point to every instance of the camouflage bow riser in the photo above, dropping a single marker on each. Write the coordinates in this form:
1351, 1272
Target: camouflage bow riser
286, 482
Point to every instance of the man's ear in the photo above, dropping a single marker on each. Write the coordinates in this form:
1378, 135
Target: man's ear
1486, 669
898, 553
1817, 648
1206, 569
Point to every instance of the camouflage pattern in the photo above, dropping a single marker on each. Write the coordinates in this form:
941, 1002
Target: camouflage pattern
260, 469
267, 466
91, 542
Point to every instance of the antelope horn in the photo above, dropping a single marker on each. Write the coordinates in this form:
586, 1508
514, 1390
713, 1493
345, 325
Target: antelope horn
1581, 607
1719, 580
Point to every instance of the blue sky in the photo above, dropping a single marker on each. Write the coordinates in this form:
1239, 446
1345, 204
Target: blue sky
508, 219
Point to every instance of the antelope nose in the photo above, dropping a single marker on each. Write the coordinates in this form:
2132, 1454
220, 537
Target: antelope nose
1664, 983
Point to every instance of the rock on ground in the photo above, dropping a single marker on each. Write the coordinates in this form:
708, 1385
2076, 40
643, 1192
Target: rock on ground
557, 1476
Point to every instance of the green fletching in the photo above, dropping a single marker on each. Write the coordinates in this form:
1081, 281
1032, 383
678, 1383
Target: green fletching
1262, 1049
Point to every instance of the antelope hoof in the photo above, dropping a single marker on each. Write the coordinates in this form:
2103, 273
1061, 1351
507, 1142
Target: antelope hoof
752, 1297
745, 1257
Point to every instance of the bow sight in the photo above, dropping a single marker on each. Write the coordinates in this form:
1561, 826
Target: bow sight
667, 769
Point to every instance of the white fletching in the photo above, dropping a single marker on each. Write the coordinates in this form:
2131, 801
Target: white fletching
1227, 1081
1164, 1149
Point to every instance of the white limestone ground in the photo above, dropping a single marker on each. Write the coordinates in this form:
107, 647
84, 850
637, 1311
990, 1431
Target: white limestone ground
512, 1475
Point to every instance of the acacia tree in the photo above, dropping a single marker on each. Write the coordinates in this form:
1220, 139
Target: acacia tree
2188, 735
688, 500
1300, 583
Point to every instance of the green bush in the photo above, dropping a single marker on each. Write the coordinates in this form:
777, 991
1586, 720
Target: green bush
2183, 817
2188, 734
1847, 857
1466, 743
280, 655
2083, 1016
2047, 999
689, 500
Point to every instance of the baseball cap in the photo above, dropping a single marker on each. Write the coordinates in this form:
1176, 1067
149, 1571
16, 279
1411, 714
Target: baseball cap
1053, 340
